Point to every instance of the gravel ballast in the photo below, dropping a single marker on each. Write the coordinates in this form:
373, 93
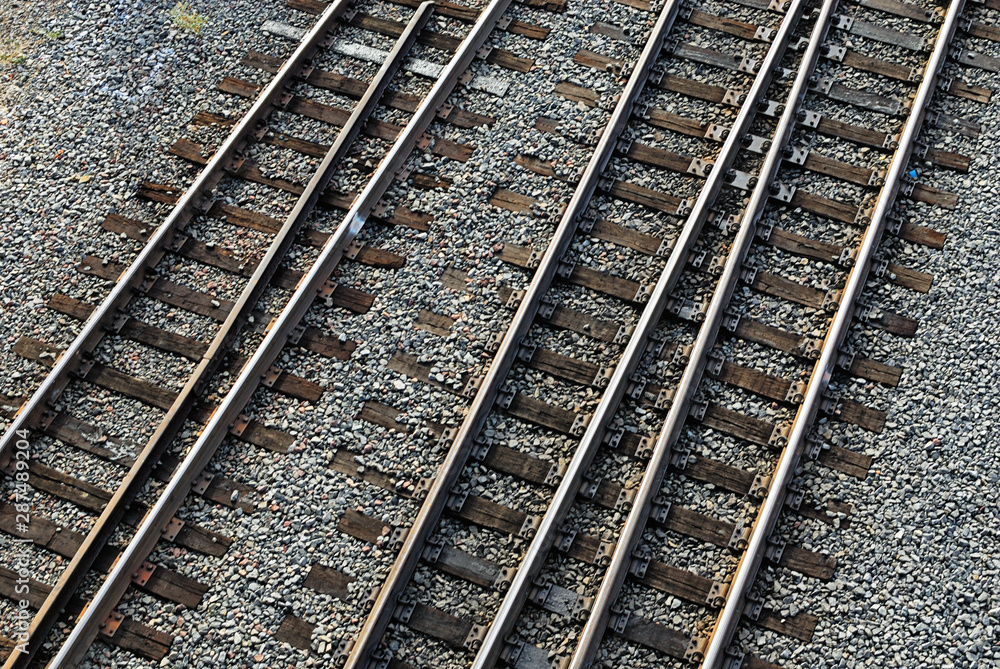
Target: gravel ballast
105, 88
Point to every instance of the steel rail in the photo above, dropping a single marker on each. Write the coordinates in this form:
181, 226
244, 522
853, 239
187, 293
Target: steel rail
90, 621
197, 196
592, 438
631, 533
123, 291
749, 564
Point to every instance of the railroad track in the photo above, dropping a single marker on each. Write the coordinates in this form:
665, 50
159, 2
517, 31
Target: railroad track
701, 158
